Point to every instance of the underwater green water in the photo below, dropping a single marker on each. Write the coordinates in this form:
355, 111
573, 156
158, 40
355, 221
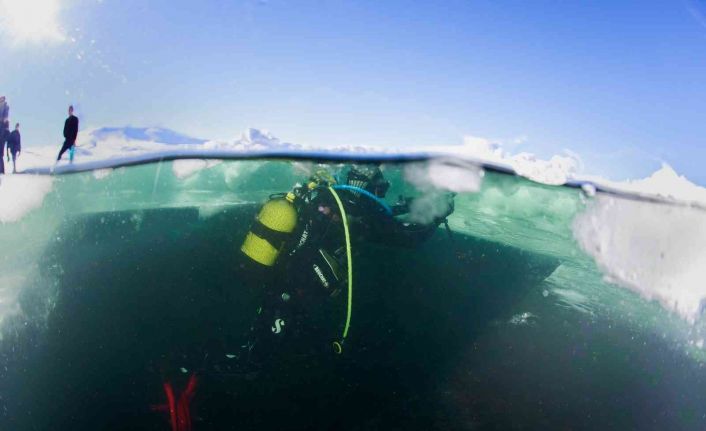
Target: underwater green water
121, 278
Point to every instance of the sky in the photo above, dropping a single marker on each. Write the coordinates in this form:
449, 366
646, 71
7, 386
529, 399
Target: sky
619, 84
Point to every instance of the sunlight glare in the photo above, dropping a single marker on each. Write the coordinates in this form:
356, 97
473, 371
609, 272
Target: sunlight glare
30, 21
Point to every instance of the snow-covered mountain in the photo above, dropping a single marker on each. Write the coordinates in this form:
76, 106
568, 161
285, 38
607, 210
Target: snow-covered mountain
149, 134
107, 143
121, 141
254, 140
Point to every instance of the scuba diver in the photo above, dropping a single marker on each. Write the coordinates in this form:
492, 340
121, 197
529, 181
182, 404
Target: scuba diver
298, 259
299, 254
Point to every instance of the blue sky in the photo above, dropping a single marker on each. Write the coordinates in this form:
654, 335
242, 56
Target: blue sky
622, 84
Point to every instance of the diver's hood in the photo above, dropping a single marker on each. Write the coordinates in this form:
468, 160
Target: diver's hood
369, 178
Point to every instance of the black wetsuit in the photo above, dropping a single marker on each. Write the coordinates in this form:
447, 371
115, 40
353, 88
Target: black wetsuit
70, 134
14, 146
304, 301
4, 134
4, 112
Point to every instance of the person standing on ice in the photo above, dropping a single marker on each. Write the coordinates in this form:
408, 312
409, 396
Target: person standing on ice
14, 146
4, 110
4, 135
70, 133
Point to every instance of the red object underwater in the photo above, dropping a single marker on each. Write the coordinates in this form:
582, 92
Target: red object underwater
179, 413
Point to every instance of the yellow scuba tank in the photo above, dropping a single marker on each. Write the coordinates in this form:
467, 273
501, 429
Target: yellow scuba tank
272, 227
277, 220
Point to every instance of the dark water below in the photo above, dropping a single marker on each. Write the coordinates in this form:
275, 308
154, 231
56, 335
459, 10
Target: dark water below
431, 346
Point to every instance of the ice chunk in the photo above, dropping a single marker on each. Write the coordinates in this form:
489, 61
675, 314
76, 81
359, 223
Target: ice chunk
20, 194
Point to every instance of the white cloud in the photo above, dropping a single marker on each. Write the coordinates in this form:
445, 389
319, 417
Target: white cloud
30, 21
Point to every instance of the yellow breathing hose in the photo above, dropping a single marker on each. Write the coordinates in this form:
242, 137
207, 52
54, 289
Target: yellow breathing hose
338, 345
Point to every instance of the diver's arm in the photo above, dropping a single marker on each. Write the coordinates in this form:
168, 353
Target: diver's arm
401, 206
405, 234
400, 231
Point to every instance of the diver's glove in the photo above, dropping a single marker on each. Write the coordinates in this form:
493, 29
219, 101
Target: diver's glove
402, 205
